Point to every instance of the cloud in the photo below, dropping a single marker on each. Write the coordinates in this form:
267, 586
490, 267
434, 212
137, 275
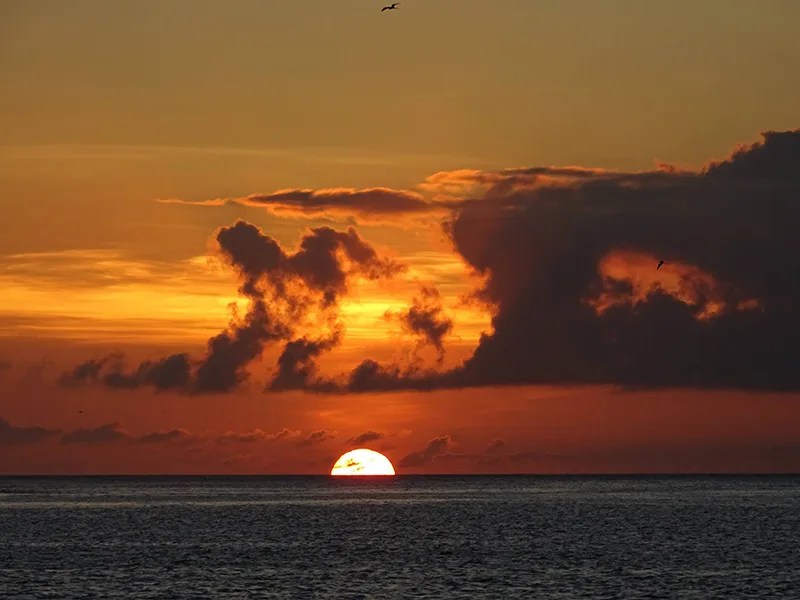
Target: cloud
283, 289
497, 445
5, 365
455, 188
366, 437
114, 433
257, 435
735, 258
435, 448
371, 205
317, 437
296, 364
492, 454
88, 371
167, 373
569, 272
104, 434
162, 437
567, 258
12, 435
426, 319
371, 376
776, 158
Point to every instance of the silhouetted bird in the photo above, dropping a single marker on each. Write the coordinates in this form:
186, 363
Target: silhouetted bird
392, 7
80, 411
661, 262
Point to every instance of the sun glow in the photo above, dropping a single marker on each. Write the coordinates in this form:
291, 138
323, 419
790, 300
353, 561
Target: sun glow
362, 462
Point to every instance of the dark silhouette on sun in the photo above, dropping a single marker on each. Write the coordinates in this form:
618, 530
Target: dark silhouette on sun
392, 6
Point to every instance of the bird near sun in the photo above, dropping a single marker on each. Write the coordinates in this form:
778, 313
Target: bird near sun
392, 6
362, 462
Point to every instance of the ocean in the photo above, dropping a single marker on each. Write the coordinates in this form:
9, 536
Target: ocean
533, 537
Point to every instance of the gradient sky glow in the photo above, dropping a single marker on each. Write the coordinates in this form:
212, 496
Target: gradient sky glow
110, 108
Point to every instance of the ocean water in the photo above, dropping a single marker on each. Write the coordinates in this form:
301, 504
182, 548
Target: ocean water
406, 537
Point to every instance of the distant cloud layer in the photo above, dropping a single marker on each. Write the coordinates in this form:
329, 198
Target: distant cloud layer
435, 448
103, 434
317, 437
10, 434
114, 433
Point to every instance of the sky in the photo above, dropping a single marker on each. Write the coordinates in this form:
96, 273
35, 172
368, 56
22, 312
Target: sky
248, 236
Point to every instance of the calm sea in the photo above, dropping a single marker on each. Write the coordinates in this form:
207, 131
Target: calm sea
408, 537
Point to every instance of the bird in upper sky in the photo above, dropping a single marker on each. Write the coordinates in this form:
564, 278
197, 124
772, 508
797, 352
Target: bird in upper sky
393, 6
661, 262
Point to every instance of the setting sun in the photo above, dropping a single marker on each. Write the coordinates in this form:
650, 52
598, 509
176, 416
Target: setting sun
362, 462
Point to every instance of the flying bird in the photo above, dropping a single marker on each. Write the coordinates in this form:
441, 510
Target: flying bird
393, 6
661, 262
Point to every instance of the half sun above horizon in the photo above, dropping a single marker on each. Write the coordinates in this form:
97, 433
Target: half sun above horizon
362, 462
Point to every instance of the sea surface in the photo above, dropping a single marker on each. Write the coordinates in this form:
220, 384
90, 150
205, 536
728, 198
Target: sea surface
405, 537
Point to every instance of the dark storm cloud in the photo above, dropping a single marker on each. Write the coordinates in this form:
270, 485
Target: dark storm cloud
282, 288
435, 448
105, 434
366, 205
777, 158
10, 434
366, 437
5, 365
540, 249
723, 313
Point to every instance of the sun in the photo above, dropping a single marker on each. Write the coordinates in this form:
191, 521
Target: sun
362, 462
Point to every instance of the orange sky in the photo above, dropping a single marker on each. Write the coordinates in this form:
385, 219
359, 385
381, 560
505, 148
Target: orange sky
134, 134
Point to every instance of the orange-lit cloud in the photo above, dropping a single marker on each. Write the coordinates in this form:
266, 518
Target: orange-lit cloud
629, 278
282, 289
371, 205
